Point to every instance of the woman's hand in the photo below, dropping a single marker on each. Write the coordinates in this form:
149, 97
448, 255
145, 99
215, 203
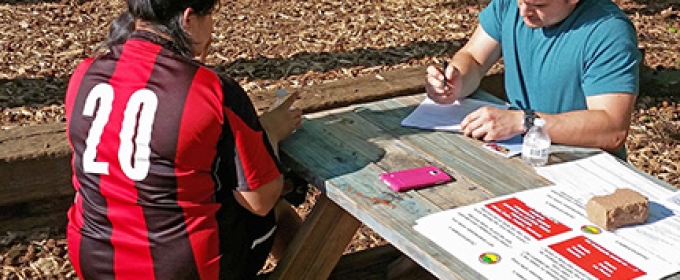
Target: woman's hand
281, 121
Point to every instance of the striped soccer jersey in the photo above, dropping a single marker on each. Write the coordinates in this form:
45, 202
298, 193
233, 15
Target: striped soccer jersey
159, 143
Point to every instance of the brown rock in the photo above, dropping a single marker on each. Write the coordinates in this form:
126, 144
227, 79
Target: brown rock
621, 208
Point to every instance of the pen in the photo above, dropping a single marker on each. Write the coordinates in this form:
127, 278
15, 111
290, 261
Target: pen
446, 65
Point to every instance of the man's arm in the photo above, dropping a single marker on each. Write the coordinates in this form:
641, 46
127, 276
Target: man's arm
467, 68
475, 59
603, 125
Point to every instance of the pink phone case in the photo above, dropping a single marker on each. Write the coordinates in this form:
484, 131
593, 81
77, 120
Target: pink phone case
404, 180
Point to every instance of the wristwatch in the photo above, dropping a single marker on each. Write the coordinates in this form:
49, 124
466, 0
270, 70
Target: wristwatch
529, 117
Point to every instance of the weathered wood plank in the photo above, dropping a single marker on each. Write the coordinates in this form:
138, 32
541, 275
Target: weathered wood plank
345, 150
309, 257
354, 183
393, 215
34, 168
328, 138
20, 183
356, 90
456, 151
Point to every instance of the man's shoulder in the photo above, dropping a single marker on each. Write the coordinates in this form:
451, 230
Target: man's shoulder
601, 20
503, 6
601, 11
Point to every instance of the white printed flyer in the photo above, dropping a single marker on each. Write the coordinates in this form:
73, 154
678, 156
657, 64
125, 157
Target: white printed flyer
545, 234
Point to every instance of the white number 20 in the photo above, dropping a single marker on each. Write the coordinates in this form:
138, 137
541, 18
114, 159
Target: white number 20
140, 112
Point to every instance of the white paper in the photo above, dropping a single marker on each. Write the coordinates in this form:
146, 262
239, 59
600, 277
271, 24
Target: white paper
507, 148
545, 234
599, 175
445, 117
675, 200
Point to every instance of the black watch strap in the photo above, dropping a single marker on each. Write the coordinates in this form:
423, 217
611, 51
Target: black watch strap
529, 117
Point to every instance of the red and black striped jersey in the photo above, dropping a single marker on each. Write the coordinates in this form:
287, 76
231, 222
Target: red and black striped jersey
159, 143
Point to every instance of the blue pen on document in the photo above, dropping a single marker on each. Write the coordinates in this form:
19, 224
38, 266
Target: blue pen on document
446, 65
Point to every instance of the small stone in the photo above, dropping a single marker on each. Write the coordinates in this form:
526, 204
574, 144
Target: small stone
621, 208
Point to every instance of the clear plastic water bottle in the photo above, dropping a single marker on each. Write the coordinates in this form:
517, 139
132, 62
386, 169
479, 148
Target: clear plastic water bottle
536, 145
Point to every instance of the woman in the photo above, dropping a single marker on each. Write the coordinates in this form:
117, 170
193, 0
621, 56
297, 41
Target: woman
175, 175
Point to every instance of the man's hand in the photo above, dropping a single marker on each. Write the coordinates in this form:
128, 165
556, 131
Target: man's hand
437, 90
493, 124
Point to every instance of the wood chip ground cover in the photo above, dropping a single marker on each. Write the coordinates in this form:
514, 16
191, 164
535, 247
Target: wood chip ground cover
273, 44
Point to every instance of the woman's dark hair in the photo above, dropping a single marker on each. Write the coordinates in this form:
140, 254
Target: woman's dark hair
165, 16
120, 29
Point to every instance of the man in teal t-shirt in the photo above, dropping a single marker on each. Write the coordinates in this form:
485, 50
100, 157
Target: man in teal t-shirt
574, 63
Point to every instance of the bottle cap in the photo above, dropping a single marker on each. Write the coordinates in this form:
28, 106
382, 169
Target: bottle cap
539, 122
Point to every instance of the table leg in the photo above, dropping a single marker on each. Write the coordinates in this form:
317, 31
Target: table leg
319, 244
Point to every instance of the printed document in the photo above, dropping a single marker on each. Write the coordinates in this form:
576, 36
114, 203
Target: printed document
544, 233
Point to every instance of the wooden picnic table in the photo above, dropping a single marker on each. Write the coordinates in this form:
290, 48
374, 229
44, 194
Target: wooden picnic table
342, 152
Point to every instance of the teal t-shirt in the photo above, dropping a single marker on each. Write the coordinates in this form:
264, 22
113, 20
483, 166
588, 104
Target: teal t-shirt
553, 69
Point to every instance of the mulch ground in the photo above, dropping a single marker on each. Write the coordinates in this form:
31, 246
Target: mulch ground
267, 45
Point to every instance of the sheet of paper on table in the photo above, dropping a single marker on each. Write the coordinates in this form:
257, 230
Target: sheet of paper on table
544, 233
447, 117
444, 117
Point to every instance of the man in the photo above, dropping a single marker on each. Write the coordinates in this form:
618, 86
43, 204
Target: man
574, 63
